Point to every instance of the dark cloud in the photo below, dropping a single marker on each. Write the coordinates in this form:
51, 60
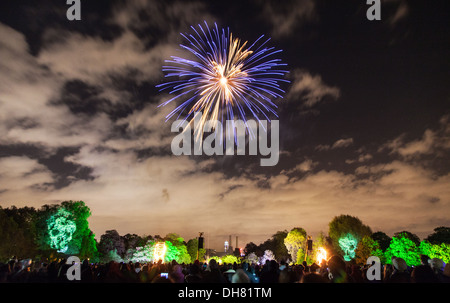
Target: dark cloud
364, 125
82, 98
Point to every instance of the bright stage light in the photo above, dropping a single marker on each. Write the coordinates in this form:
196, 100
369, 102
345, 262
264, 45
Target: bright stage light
321, 255
160, 251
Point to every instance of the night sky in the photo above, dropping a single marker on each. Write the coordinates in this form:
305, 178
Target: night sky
364, 122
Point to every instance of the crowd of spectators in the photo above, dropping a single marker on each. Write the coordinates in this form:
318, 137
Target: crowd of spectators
335, 270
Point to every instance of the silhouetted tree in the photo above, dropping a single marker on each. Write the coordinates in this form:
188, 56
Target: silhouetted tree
441, 235
276, 245
252, 248
111, 241
383, 240
23, 241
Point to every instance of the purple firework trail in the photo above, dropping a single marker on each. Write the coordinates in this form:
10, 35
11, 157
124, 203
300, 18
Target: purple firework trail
224, 78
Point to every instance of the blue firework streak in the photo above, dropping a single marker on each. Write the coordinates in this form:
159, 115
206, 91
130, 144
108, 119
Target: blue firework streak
224, 78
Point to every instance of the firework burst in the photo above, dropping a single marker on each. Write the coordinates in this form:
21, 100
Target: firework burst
224, 78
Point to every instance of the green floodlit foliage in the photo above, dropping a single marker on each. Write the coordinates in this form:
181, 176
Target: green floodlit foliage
171, 252
192, 246
61, 227
295, 244
440, 251
368, 247
230, 259
343, 225
402, 247
65, 228
348, 244
146, 254
178, 253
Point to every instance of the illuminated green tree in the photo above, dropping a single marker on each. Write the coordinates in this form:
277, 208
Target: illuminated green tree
183, 255
408, 235
440, 251
192, 246
174, 238
144, 254
230, 259
295, 243
342, 225
88, 247
171, 252
348, 244
176, 250
61, 227
49, 229
366, 248
404, 248
83, 234
178, 253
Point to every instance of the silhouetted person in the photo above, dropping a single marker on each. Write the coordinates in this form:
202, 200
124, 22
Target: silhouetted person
424, 259
357, 274
250, 272
423, 274
176, 275
113, 273
87, 276
213, 275
313, 277
305, 266
128, 274
143, 274
270, 275
160, 279
337, 270
194, 275
400, 273
284, 276
240, 277
446, 274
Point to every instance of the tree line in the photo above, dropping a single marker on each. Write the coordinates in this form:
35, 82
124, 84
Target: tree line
63, 228
355, 242
58, 230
